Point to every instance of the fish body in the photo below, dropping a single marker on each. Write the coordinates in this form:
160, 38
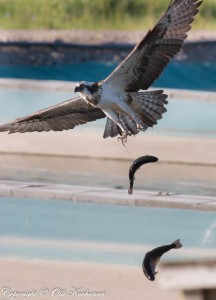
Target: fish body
152, 258
136, 165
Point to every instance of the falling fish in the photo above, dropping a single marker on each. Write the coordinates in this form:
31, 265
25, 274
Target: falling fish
152, 258
136, 165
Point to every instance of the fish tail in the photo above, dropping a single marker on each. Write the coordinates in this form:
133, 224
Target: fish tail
177, 244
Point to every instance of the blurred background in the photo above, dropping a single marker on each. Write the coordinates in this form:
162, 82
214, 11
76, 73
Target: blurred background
45, 48
96, 14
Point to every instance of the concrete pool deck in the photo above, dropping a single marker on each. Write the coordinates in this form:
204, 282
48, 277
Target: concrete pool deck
86, 143
88, 194
116, 281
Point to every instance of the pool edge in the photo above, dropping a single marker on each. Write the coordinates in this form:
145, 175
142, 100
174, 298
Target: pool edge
87, 194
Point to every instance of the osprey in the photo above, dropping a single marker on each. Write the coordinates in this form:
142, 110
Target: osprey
122, 96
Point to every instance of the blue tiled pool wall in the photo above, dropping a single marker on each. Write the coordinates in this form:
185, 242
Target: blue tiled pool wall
178, 74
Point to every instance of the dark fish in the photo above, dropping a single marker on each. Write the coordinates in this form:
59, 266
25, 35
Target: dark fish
136, 165
152, 258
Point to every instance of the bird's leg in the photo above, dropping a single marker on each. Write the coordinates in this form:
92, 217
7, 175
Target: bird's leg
114, 117
123, 138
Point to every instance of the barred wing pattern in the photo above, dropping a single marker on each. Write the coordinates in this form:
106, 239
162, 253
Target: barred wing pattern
63, 116
149, 57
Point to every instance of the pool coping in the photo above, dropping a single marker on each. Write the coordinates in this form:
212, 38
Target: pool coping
99, 195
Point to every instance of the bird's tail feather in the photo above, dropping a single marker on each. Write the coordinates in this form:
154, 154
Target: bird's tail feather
177, 244
148, 105
128, 123
111, 129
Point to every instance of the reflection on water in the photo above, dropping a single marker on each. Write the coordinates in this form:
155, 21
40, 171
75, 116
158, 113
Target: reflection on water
209, 236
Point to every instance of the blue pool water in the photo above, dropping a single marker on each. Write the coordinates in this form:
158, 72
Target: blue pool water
182, 75
34, 222
183, 116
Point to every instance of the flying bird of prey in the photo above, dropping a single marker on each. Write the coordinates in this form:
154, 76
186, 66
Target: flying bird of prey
122, 96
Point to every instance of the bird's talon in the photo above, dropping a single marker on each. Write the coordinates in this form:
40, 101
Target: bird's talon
123, 138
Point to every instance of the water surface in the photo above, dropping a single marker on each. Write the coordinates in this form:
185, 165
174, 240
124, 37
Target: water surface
185, 117
52, 229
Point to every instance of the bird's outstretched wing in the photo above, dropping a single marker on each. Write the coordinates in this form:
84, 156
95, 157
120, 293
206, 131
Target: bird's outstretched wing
149, 57
63, 116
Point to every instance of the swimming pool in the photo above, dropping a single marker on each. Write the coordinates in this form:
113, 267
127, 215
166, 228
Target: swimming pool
184, 127
62, 230
186, 117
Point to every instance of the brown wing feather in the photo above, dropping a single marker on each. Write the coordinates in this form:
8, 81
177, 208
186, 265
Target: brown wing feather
63, 116
149, 58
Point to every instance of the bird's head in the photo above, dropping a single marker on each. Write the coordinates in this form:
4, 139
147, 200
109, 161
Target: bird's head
80, 86
88, 88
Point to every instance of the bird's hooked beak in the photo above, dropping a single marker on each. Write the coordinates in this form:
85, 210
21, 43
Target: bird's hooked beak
76, 89
79, 87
